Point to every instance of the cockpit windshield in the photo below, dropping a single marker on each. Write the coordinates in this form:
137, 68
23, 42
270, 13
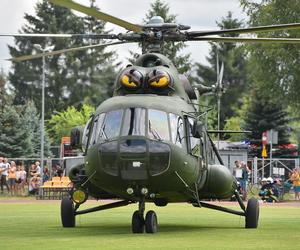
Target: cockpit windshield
134, 122
158, 125
155, 124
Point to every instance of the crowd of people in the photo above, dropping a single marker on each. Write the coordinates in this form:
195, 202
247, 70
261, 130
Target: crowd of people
16, 181
271, 190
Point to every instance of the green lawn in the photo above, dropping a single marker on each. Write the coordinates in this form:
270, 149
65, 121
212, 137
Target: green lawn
36, 225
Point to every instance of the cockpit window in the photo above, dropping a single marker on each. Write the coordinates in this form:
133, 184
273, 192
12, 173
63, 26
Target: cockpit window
99, 127
111, 125
134, 122
177, 130
94, 126
86, 132
158, 125
193, 142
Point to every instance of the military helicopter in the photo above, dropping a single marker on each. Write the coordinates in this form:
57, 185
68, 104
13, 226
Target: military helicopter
148, 142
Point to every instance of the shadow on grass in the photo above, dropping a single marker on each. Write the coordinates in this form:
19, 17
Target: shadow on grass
125, 229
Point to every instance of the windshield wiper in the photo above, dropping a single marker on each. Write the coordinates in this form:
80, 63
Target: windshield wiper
154, 133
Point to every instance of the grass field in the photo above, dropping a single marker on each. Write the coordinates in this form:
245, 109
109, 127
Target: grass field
30, 224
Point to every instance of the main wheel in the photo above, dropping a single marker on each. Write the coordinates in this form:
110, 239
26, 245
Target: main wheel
252, 213
67, 212
151, 222
138, 223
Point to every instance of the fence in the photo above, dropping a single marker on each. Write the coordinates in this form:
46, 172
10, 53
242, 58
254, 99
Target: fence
275, 168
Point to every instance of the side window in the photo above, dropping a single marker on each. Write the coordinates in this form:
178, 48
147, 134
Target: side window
99, 127
86, 132
94, 129
194, 147
112, 124
177, 130
158, 125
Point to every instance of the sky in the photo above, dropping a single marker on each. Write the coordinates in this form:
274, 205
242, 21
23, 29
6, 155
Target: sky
199, 14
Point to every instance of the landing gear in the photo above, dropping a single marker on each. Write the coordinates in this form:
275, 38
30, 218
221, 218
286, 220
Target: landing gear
151, 222
139, 223
67, 212
252, 213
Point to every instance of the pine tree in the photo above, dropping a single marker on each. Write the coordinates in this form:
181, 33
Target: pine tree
11, 137
71, 78
234, 80
31, 123
266, 114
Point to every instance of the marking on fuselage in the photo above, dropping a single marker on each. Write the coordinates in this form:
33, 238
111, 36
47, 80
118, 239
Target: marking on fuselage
136, 164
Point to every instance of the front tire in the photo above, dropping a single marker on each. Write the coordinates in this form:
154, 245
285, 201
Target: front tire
137, 223
252, 213
151, 222
67, 212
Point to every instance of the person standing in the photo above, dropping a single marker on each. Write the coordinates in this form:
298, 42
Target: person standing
244, 179
295, 178
21, 180
4, 166
12, 177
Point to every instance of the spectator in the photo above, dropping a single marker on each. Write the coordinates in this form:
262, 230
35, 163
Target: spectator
33, 186
4, 166
33, 170
21, 180
244, 179
12, 177
38, 168
268, 191
59, 171
46, 174
295, 178
237, 172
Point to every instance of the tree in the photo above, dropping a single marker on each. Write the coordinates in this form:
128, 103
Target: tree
20, 132
72, 78
31, 124
264, 114
11, 136
61, 123
274, 68
5, 97
235, 76
171, 49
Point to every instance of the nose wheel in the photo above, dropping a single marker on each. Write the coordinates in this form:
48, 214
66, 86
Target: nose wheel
139, 224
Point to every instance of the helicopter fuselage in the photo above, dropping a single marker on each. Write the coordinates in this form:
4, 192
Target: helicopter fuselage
143, 145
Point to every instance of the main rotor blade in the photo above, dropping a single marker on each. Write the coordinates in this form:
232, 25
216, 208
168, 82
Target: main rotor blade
97, 14
246, 40
258, 29
100, 36
57, 52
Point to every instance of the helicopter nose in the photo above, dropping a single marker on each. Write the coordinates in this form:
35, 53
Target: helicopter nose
134, 159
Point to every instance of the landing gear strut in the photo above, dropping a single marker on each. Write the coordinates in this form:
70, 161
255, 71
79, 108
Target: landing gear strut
139, 223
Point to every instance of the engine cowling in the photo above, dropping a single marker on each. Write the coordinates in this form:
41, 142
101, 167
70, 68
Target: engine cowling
219, 183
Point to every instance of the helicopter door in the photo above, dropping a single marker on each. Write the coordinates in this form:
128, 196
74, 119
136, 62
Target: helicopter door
194, 144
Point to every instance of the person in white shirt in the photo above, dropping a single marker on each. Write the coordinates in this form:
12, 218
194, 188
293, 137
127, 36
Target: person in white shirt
38, 168
4, 166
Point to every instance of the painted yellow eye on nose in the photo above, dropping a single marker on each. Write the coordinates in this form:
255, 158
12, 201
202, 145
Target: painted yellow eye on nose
159, 79
127, 83
160, 83
131, 79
